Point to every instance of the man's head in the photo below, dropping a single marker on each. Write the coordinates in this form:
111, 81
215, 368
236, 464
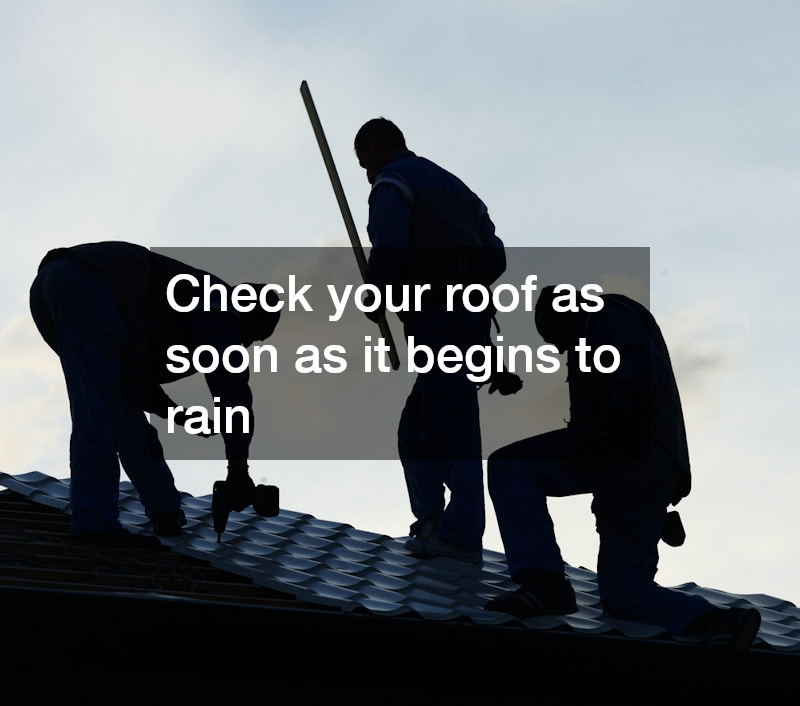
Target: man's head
376, 141
556, 327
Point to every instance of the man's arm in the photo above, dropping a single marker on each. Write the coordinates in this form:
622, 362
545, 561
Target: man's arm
613, 407
494, 252
156, 401
221, 330
389, 232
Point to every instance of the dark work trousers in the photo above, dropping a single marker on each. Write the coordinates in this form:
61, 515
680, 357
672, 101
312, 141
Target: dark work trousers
439, 437
77, 314
631, 497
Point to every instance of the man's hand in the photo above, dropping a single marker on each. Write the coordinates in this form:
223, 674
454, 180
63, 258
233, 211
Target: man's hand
505, 383
181, 418
239, 486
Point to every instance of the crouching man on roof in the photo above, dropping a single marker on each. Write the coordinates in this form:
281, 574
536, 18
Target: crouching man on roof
626, 444
102, 307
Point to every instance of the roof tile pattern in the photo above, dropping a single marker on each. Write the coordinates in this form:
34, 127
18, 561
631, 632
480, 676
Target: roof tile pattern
336, 565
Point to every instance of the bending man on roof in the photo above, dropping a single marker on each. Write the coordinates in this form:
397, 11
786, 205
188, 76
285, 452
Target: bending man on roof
102, 307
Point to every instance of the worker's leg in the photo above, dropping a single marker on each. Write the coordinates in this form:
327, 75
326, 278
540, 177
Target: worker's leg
75, 309
142, 457
630, 514
439, 437
521, 476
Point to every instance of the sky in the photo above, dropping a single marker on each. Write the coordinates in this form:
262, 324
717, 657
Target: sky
667, 124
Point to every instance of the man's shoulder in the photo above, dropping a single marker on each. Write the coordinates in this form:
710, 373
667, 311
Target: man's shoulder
410, 162
621, 302
422, 171
107, 246
102, 255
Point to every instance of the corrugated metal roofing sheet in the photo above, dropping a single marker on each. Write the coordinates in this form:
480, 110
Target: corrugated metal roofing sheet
335, 565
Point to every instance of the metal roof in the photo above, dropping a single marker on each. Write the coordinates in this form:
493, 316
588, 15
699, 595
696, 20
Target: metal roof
334, 566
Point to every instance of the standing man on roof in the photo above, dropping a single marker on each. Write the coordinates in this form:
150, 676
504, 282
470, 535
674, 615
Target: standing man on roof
102, 307
427, 227
625, 443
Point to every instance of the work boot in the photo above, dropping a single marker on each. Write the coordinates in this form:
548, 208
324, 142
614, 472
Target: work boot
118, 539
423, 530
170, 524
732, 628
434, 546
546, 595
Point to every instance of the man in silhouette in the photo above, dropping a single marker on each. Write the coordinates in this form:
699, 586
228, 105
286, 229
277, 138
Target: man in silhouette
626, 444
102, 307
427, 227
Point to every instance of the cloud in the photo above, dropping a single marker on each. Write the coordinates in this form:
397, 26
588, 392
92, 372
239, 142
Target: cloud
35, 410
705, 352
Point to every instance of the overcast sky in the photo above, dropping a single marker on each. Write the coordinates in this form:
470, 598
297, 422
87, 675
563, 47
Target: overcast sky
668, 124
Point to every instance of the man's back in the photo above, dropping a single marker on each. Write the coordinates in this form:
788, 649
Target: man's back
643, 388
139, 278
448, 236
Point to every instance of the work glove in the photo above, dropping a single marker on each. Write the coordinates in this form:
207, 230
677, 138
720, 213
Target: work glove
673, 533
505, 383
181, 418
239, 486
